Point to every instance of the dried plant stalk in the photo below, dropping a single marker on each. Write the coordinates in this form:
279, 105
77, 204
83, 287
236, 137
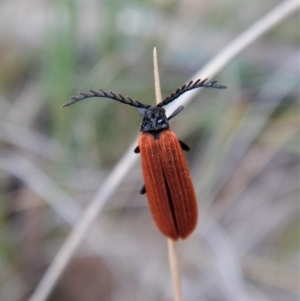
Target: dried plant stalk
175, 271
173, 258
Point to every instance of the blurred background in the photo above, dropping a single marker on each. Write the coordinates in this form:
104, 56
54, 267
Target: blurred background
244, 154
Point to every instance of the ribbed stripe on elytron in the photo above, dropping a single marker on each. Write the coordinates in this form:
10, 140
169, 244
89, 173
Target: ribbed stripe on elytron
177, 182
155, 170
170, 199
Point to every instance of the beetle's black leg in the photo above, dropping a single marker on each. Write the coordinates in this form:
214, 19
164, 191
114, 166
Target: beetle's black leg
143, 190
184, 146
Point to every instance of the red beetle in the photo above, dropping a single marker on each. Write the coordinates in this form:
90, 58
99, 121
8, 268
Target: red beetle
168, 183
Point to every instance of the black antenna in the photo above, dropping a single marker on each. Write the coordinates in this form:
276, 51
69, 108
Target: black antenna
176, 112
118, 97
190, 86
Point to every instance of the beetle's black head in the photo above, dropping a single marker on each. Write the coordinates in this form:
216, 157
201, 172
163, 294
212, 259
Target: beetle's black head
154, 119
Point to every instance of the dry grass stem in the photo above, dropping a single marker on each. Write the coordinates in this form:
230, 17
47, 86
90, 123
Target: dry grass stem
175, 271
158, 96
173, 258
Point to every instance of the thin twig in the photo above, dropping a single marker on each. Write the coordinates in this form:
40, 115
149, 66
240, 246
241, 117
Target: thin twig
175, 272
269, 21
173, 258
158, 96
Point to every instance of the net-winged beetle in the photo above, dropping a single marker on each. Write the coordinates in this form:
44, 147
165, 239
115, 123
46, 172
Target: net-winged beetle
168, 184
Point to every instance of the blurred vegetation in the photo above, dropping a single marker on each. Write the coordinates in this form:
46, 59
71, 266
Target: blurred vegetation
244, 158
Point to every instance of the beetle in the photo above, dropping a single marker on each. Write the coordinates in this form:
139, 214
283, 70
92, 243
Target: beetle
168, 184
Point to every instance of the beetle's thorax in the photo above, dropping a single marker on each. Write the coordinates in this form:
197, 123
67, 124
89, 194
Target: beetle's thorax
154, 120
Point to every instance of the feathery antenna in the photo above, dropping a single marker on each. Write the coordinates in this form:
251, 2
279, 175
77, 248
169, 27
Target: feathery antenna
118, 97
190, 86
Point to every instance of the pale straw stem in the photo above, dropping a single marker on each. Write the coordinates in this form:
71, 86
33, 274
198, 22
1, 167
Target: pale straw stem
173, 258
175, 272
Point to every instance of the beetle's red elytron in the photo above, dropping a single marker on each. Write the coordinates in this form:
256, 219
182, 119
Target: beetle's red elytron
168, 183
